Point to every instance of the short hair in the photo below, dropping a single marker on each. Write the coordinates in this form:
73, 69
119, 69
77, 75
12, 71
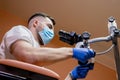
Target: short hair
43, 15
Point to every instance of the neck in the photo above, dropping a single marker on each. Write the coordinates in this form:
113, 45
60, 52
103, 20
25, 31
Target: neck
35, 34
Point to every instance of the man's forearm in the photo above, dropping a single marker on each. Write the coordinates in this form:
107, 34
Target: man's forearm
53, 54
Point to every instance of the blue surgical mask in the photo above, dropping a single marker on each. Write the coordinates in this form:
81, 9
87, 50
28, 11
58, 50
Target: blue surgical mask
46, 35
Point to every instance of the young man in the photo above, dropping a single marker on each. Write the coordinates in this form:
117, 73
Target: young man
23, 43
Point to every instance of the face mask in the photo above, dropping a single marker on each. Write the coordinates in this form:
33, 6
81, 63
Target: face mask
46, 34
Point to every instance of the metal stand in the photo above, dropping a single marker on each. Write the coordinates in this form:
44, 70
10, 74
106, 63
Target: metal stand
116, 56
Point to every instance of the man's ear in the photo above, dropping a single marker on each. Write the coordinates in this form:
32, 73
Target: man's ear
35, 23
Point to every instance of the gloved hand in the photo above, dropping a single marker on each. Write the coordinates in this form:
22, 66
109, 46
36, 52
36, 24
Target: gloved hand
81, 71
83, 54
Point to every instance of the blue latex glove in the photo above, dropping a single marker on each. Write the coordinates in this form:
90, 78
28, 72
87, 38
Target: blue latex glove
81, 71
83, 54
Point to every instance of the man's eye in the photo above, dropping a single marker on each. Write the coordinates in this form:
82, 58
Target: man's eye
50, 26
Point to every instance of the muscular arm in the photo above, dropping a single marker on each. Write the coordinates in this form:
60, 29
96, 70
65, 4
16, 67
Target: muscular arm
24, 51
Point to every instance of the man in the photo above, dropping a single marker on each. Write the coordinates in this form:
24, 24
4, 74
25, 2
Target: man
24, 43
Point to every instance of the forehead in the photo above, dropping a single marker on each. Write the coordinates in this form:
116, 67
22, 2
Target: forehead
44, 19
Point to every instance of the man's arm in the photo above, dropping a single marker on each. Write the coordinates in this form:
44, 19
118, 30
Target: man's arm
24, 51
